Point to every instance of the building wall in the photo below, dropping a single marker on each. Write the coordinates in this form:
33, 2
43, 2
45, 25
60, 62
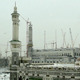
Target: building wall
55, 56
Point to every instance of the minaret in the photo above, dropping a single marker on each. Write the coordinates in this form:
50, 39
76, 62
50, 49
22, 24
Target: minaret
30, 43
15, 19
15, 45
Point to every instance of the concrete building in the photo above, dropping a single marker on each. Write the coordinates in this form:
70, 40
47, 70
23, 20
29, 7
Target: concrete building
66, 55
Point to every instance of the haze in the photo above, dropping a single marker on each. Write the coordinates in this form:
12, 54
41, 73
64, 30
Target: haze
46, 15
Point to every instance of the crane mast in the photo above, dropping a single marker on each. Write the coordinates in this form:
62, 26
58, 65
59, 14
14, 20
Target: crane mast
27, 34
71, 37
63, 34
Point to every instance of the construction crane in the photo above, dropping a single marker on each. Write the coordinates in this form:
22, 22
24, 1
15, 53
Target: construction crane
71, 37
52, 44
7, 49
64, 42
44, 39
75, 39
27, 34
56, 39
72, 41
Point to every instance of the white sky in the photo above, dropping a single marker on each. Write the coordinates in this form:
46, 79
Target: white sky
46, 15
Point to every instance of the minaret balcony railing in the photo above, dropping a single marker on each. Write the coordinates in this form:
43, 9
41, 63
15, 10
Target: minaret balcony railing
15, 42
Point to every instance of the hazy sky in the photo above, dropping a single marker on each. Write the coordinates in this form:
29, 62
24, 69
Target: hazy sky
46, 15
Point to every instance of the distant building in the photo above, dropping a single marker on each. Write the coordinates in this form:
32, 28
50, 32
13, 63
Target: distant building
62, 55
66, 55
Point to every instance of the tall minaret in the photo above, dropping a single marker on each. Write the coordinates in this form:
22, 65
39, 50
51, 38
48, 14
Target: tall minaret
30, 43
15, 45
15, 19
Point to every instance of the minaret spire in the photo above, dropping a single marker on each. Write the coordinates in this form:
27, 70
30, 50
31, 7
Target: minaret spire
15, 3
15, 8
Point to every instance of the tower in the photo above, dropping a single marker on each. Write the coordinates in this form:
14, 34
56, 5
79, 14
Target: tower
15, 45
30, 42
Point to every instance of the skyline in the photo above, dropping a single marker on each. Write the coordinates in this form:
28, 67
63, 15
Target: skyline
47, 15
